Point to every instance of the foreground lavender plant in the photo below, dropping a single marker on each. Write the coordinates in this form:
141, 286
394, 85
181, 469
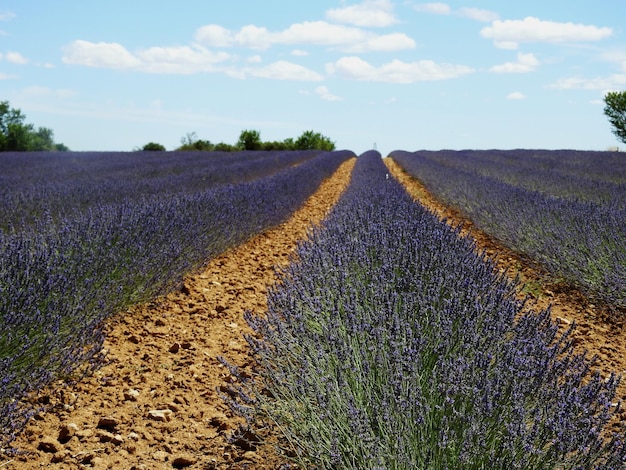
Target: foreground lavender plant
389, 343
61, 277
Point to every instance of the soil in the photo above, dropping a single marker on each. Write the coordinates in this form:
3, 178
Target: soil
155, 404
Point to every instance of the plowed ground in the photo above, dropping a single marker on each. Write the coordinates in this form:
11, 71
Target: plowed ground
155, 404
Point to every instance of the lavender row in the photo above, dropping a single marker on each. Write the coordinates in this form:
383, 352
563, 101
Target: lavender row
578, 239
391, 344
59, 184
598, 177
58, 282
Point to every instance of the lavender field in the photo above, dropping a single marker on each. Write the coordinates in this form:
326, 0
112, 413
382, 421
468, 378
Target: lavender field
390, 343
565, 209
86, 235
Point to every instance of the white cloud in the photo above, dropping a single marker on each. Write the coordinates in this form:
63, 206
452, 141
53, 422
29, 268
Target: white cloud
439, 8
436, 7
525, 63
15, 58
283, 70
254, 59
508, 34
6, 76
396, 71
516, 95
372, 13
215, 35
175, 60
299, 53
320, 33
612, 82
325, 94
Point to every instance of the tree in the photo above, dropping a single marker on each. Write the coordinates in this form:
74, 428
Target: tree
615, 110
250, 140
17, 135
310, 140
153, 147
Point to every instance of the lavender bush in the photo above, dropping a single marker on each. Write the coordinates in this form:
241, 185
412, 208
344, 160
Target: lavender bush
60, 277
564, 209
391, 344
58, 185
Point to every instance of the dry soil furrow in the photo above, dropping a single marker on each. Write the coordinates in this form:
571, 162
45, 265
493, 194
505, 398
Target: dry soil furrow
155, 404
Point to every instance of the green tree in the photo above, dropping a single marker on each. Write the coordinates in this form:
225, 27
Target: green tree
17, 135
153, 147
615, 110
250, 140
310, 140
192, 142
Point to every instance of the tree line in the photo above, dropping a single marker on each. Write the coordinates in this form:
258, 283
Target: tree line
251, 140
16, 135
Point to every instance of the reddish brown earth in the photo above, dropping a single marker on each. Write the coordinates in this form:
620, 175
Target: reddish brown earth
155, 404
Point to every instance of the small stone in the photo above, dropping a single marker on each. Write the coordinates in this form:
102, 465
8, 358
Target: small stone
160, 415
183, 461
109, 423
133, 339
117, 440
131, 394
48, 445
104, 436
66, 432
174, 348
160, 455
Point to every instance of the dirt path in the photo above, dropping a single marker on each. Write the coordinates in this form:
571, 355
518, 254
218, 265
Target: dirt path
155, 405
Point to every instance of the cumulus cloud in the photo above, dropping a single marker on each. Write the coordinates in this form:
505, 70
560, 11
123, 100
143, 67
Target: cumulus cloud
395, 71
370, 13
319, 33
175, 60
325, 94
439, 8
525, 63
508, 34
516, 95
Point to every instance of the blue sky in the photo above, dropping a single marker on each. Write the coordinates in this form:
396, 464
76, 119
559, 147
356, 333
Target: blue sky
394, 74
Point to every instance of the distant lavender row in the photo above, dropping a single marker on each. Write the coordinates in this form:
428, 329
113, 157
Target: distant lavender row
390, 344
577, 233
598, 177
59, 281
58, 184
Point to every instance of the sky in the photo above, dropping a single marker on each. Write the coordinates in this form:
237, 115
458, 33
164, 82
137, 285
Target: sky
372, 74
